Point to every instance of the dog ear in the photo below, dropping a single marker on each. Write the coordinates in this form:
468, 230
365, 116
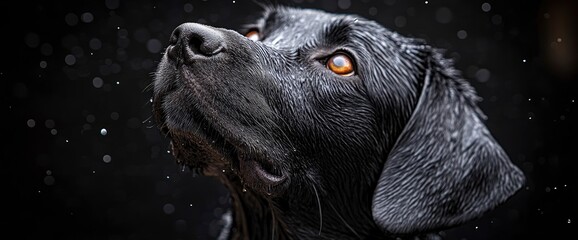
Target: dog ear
445, 168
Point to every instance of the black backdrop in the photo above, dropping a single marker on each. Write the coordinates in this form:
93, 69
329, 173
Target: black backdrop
83, 160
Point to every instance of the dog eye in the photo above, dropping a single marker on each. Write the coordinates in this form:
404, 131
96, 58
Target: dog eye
253, 35
341, 64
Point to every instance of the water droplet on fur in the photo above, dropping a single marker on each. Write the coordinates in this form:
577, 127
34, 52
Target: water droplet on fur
244, 190
224, 170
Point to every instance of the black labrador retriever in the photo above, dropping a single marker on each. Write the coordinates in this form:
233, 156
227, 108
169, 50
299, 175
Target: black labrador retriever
329, 126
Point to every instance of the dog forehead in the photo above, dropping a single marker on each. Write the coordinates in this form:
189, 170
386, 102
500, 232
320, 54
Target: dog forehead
291, 27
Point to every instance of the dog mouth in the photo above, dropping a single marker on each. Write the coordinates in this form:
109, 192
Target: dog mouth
262, 168
206, 151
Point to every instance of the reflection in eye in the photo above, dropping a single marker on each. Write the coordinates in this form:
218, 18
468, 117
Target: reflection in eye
341, 64
253, 35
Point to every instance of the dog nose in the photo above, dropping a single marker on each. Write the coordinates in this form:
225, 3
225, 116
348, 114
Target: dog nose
193, 39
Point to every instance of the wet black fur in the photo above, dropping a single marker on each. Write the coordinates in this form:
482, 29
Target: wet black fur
397, 150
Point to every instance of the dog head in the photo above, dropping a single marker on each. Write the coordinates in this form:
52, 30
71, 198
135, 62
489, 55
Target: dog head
311, 110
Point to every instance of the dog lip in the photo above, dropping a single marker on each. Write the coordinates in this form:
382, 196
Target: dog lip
265, 174
262, 169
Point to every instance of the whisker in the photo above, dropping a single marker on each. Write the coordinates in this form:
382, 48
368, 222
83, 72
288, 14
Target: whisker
343, 220
273, 223
320, 212
148, 87
147, 119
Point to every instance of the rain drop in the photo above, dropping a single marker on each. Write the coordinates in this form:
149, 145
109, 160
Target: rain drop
188, 7
497, 19
114, 116
95, 44
372, 11
244, 190
103, 132
32, 40
106, 158
71, 19
400, 21
569, 220
49, 180
168, 208
31, 123
483, 75
344, 4
462, 34
87, 17
70, 59
486, 7
97, 82
49, 123
90, 118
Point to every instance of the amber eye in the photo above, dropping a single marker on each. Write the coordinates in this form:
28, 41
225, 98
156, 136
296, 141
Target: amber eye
253, 35
341, 64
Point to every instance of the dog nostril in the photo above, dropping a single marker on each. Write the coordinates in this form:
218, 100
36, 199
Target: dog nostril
197, 40
175, 36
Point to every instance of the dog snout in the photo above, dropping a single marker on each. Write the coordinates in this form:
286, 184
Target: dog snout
193, 40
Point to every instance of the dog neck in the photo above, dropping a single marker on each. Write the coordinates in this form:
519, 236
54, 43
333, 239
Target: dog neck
253, 217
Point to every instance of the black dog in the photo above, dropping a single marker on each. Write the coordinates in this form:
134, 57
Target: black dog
327, 126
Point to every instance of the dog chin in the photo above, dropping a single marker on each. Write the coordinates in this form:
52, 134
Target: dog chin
199, 152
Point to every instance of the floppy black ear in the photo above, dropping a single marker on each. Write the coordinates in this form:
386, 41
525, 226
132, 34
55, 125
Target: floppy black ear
445, 168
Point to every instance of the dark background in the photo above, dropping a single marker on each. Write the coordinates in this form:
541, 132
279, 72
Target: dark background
83, 159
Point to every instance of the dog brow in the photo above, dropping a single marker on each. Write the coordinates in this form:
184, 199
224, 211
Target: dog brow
337, 32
